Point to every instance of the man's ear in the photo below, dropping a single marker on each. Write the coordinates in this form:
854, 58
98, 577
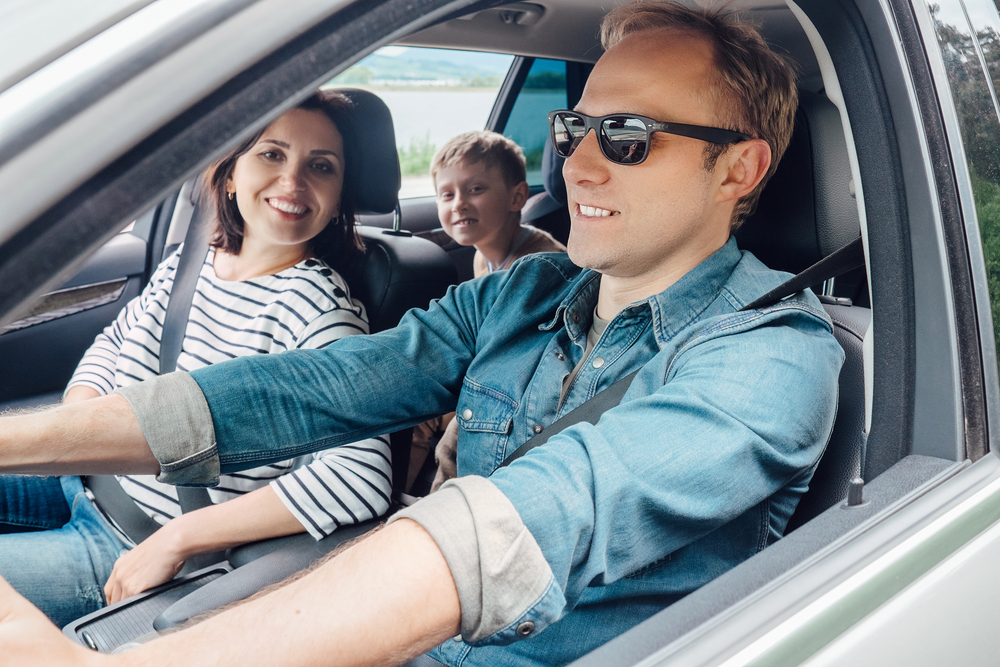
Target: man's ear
519, 196
746, 164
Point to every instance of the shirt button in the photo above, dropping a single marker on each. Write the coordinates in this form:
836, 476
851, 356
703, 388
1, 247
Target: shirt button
525, 628
597, 362
560, 356
575, 318
467, 414
537, 428
456, 638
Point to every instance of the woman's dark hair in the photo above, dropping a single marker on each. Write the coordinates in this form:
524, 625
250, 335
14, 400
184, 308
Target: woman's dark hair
339, 240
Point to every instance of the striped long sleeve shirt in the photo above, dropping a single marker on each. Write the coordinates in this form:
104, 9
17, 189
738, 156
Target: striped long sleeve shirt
307, 306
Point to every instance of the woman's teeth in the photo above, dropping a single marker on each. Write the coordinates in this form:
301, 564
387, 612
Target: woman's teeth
287, 207
594, 212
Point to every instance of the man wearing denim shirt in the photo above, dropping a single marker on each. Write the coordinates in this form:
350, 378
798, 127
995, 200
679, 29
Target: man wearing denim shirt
699, 468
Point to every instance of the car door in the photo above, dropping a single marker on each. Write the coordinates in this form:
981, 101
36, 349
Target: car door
42, 346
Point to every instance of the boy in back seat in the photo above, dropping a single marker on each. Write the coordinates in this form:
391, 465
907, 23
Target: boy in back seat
480, 180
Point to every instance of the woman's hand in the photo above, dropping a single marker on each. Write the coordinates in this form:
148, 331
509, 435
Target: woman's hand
156, 560
258, 515
28, 639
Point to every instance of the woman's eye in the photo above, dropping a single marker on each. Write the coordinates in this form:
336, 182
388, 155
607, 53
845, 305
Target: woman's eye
323, 167
270, 155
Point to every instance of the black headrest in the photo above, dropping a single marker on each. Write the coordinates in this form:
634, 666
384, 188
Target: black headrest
552, 164
396, 273
378, 180
807, 210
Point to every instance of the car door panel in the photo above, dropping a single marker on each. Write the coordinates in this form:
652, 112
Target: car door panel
41, 349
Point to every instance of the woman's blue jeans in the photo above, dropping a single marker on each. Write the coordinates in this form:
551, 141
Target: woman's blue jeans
55, 547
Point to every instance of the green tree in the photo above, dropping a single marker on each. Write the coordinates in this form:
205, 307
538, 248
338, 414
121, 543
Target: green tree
980, 132
546, 81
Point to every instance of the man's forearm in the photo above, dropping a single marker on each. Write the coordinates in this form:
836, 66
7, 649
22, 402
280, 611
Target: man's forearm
384, 600
98, 436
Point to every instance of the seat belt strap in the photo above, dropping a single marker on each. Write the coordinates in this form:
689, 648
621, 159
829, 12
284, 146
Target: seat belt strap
590, 411
175, 327
846, 259
182, 294
108, 493
113, 501
851, 256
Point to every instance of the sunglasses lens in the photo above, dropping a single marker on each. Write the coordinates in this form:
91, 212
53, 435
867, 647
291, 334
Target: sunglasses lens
624, 139
567, 131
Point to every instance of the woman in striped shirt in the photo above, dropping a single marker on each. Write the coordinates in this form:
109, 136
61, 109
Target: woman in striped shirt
283, 198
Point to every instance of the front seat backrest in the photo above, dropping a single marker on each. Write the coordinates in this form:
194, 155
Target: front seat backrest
806, 212
808, 209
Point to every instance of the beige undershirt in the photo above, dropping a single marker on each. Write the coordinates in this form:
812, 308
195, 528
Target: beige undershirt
597, 327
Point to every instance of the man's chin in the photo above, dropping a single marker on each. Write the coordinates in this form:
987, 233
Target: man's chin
586, 256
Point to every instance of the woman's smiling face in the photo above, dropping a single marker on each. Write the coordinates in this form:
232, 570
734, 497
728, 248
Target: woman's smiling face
288, 185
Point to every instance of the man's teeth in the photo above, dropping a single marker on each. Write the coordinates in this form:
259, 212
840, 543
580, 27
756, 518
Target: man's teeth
594, 212
287, 207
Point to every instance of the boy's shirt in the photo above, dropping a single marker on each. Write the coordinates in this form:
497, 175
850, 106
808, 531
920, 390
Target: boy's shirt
529, 240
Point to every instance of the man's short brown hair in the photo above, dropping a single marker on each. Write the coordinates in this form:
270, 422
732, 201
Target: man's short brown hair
756, 89
489, 148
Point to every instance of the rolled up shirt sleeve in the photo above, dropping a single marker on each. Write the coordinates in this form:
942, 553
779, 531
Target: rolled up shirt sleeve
179, 431
505, 585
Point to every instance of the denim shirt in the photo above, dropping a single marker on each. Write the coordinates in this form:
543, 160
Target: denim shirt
699, 468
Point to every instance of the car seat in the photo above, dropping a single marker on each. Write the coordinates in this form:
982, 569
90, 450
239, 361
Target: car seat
547, 210
807, 211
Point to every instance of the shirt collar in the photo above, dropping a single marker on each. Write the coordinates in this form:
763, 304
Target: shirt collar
672, 309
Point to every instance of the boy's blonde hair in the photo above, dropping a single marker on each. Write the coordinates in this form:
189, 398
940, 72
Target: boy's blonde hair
490, 148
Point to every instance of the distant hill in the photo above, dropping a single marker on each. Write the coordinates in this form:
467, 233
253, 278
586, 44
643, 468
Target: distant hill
408, 66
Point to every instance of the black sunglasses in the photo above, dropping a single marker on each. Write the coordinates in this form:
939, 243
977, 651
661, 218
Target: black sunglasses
624, 137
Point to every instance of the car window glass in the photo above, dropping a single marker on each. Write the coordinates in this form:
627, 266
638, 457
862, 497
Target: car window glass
544, 90
969, 36
433, 95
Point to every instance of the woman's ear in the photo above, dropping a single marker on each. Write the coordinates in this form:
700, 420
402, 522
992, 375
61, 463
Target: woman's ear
746, 164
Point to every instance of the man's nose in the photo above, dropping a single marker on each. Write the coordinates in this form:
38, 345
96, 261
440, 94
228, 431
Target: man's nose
458, 203
587, 164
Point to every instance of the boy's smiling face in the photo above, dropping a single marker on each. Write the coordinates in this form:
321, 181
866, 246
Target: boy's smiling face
475, 203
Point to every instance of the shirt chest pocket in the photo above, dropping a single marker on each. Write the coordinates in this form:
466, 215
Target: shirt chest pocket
485, 418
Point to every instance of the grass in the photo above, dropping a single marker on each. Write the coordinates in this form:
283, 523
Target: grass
415, 159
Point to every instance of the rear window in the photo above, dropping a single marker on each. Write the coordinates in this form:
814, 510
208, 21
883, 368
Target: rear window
433, 95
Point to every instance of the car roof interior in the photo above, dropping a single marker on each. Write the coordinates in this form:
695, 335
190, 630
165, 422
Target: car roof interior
559, 29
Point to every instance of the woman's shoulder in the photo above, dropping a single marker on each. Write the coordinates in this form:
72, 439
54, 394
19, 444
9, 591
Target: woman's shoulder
315, 280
